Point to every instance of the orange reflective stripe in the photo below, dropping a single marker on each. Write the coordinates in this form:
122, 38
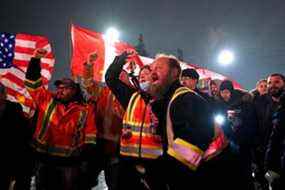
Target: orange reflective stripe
129, 110
53, 150
46, 119
144, 142
146, 152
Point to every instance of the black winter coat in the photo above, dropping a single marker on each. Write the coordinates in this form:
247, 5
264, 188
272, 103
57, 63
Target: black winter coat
275, 155
15, 134
190, 115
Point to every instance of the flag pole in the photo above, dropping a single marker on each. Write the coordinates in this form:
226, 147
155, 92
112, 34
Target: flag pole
69, 52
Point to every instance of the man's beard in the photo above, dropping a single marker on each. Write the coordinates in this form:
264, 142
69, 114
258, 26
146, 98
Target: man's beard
159, 90
61, 99
275, 92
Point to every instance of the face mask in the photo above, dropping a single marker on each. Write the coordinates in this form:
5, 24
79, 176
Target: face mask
145, 85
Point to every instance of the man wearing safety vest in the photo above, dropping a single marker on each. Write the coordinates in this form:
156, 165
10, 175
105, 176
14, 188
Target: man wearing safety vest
217, 155
109, 121
65, 130
187, 127
140, 145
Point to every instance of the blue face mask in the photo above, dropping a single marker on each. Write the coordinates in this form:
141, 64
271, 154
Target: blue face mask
144, 86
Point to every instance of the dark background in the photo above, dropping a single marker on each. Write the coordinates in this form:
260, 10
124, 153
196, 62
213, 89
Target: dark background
253, 29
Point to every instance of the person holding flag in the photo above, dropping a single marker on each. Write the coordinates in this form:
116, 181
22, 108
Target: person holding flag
109, 117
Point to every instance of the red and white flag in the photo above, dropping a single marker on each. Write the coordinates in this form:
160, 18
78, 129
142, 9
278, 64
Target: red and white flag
16, 51
86, 41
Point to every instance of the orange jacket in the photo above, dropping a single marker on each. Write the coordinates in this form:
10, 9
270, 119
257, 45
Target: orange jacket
61, 130
109, 112
143, 140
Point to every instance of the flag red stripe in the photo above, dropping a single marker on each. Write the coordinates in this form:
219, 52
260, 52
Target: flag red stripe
13, 78
27, 102
26, 50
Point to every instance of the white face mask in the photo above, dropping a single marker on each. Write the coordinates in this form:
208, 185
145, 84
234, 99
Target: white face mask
144, 86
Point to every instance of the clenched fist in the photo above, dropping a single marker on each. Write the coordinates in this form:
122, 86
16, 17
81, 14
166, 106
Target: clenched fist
40, 53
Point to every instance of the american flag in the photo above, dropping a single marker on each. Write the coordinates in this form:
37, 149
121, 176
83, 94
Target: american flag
15, 53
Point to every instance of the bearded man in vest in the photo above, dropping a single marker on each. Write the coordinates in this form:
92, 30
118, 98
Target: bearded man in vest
140, 146
65, 131
186, 122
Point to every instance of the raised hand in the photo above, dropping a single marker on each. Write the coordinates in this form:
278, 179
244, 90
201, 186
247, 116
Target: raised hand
39, 53
92, 58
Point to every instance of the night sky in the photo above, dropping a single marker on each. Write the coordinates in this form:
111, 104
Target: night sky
253, 29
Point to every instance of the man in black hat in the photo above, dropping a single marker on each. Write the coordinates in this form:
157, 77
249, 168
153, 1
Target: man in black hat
190, 79
67, 90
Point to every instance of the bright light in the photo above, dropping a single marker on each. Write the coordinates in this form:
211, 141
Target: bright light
219, 119
226, 57
112, 34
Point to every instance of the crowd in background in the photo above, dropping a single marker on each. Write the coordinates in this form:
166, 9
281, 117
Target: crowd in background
157, 130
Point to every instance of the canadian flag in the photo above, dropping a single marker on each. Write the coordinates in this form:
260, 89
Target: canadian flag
85, 42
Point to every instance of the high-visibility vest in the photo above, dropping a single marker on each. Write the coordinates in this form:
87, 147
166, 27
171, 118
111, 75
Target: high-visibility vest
61, 130
183, 151
187, 153
139, 121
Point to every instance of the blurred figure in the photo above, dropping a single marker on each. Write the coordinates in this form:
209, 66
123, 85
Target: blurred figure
214, 89
65, 132
14, 144
265, 106
190, 79
261, 100
238, 106
276, 85
261, 88
274, 162
275, 155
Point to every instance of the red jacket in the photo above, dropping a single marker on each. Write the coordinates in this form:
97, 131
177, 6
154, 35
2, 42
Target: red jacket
61, 130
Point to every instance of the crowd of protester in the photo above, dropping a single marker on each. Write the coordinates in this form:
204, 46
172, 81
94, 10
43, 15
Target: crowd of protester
157, 130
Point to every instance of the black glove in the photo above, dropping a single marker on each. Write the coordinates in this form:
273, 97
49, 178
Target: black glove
122, 58
34, 69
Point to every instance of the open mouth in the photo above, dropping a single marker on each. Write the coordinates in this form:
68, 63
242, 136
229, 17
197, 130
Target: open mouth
154, 78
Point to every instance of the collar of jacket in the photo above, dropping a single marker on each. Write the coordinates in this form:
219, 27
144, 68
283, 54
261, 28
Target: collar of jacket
176, 84
145, 96
68, 104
